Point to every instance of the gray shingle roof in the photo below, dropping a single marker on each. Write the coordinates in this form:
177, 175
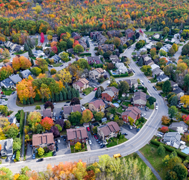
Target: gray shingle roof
15, 78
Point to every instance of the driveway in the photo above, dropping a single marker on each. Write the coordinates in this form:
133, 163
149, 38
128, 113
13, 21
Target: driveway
94, 144
63, 147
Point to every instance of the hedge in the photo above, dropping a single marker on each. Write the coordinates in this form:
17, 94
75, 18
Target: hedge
21, 122
184, 110
85, 54
119, 75
170, 149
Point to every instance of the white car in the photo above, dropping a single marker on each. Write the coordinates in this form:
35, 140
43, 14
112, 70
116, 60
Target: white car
90, 142
156, 107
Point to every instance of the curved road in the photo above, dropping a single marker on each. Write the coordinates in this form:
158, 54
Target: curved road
132, 145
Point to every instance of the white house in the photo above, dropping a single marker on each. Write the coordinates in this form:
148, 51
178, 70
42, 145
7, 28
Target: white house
121, 68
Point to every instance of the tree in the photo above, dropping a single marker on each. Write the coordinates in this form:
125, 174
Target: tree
171, 52
164, 129
186, 81
75, 117
40, 151
77, 146
59, 127
165, 120
5, 173
94, 129
153, 52
175, 47
42, 39
53, 71
151, 100
123, 87
140, 44
147, 70
166, 88
33, 119
55, 131
107, 54
47, 123
181, 171
11, 131
182, 67
67, 124
64, 56
162, 53
17, 144
174, 101
49, 104
64, 75
98, 116
131, 120
185, 49
36, 71
171, 175
74, 101
185, 99
165, 30
172, 111
161, 150
117, 41
78, 48
159, 45
87, 116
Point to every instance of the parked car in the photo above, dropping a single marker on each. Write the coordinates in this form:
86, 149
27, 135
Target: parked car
159, 135
97, 140
54, 103
90, 142
65, 105
94, 89
125, 134
88, 129
156, 107
61, 65
103, 145
67, 101
149, 81
95, 137
130, 127
3, 95
13, 157
61, 112
60, 117
159, 94
33, 156
83, 94
56, 118
13, 92
39, 160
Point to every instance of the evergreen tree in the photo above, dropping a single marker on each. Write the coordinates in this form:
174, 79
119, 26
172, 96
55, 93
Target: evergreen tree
99, 92
43, 100
37, 97
69, 95
73, 93
87, 42
30, 52
57, 97
28, 101
77, 93
52, 97
31, 100
61, 96
32, 62
24, 101
26, 47
49, 98
96, 94
64, 95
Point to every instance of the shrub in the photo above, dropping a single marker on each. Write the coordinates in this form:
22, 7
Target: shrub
53, 71
59, 127
78, 146
40, 151
161, 150
164, 129
38, 107
17, 156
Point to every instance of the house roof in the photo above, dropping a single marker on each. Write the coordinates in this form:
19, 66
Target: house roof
109, 127
26, 73
81, 82
139, 95
131, 81
109, 92
98, 103
99, 70
178, 90
128, 31
69, 109
154, 66
7, 82
15, 78
173, 83
156, 71
162, 77
47, 112
133, 112
39, 139
76, 133
149, 62
6, 147
174, 125
172, 137
113, 89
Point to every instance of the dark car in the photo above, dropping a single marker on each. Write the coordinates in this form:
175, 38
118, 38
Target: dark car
60, 117
56, 148
159, 94
61, 112
125, 134
65, 105
13, 92
67, 101
97, 140
3, 96
103, 145
54, 153
84, 94
39, 160
61, 65
133, 71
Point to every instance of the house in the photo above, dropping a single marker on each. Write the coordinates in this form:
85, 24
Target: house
15, 78
42, 140
97, 105
121, 68
71, 51
110, 93
114, 59
154, 66
7, 83
156, 72
56, 58
149, 62
12, 119
106, 47
92, 34
47, 113
147, 58
75, 35
123, 40
179, 92
77, 135
150, 45
132, 82
81, 84
181, 124
174, 85
114, 90
38, 53
83, 43
172, 139
166, 47
69, 109
26, 73
162, 78
157, 36
6, 147
113, 33
132, 112
94, 60
55, 38
96, 73
109, 130
129, 33
139, 99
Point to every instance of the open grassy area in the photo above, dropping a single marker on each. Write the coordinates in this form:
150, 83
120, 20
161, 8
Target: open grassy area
18, 53
115, 141
119, 110
82, 149
142, 163
57, 64
153, 80
126, 103
49, 154
152, 32
150, 153
158, 88
34, 104
88, 90
7, 91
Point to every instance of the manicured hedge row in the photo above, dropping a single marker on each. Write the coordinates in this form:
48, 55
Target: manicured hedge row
119, 75
170, 149
85, 54
22, 117
184, 110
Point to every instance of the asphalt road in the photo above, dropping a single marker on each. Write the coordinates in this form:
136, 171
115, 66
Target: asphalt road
132, 145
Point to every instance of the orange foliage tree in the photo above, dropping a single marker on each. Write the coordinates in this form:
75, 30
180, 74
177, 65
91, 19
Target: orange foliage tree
5, 72
21, 63
47, 123
87, 115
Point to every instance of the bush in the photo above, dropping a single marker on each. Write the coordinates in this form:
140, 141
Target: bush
53, 71
184, 110
164, 129
85, 54
161, 150
38, 107
40, 151
17, 156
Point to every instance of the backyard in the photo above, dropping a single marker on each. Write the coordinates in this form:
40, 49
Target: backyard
115, 141
88, 90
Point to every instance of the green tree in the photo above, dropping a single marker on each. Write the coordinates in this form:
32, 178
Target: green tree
185, 49
181, 171
161, 150
16, 144
64, 56
31, 100
159, 45
171, 52
40, 151
123, 87
165, 31
94, 130
59, 127
69, 95
151, 100
75, 117
67, 124
171, 175
11, 131
98, 116
147, 70
5, 173
162, 53
61, 96
172, 111
78, 48
30, 52
186, 81
166, 88
64, 95
131, 120
174, 101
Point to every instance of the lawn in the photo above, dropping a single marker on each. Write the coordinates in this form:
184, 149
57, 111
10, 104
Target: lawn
57, 64
158, 88
150, 153
126, 103
114, 141
88, 90
49, 154
34, 104
152, 32
153, 80
82, 149
119, 110
18, 53
7, 91
142, 163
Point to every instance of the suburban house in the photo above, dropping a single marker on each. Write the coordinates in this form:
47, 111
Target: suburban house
55, 38
81, 84
114, 59
129, 33
56, 58
12, 119
109, 130
97, 105
172, 139
123, 40
180, 124
149, 62
121, 68
157, 36
132, 82
7, 83
166, 47
132, 112
75, 35
15, 78
154, 66
110, 93
6, 147
38, 53
83, 43
42, 140
156, 72
7, 64
179, 92
26, 73
95, 33
69, 109
106, 47
113, 33
96, 73
162, 78
77, 135
47, 113
174, 85
100, 39
139, 99
94, 60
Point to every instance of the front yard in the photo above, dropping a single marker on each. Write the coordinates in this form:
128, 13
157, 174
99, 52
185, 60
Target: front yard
7, 91
88, 90
153, 80
115, 141
49, 154
152, 32
57, 64
83, 148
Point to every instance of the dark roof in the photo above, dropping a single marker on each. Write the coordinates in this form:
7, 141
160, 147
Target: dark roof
139, 95
132, 112
26, 73
178, 90
149, 62
109, 127
173, 83
174, 125
69, 109
7, 82
39, 139
98, 103
76, 133
162, 77
113, 89
47, 113
128, 31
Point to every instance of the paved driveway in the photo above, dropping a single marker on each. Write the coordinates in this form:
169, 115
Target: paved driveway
63, 147
94, 144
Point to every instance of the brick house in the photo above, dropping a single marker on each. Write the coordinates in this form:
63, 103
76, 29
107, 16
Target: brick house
81, 84
111, 129
129, 33
97, 105
139, 99
132, 112
77, 135
94, 60
96, 73
110, 93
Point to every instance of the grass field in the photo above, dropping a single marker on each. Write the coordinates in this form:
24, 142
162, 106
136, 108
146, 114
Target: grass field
57, 64
49, 154
152, 32
88, 90
34, 104
7, 91
116, 141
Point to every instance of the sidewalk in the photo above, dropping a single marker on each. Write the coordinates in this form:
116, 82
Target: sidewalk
149, 165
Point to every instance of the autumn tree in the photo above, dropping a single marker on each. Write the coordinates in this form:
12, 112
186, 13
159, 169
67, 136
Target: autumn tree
87, 115
77, 146
11, 131
42, 39
64, 56
40, 151
36, 71
131, 120
153, 52
47, 123
164, 129
117, 41
5, 72
21, 62
5, 173
42, 63
185, 99
165, 120
64, 76
78, 48
33, 119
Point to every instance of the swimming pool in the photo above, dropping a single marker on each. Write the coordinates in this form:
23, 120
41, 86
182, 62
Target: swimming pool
186, 150
116, 105
114, 73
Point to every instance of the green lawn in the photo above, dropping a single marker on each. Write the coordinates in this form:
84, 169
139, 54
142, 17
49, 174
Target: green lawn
152, 32
150, 153
57, 64
49, 154
82, 149
114, 142
17, 53
126, 103
119, 109
142, 163
158, 87
34, 104
7, 91
88, 90
153, 80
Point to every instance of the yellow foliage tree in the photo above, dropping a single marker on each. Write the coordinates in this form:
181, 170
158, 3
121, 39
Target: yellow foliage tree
64, 76
78, 146
185, 99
